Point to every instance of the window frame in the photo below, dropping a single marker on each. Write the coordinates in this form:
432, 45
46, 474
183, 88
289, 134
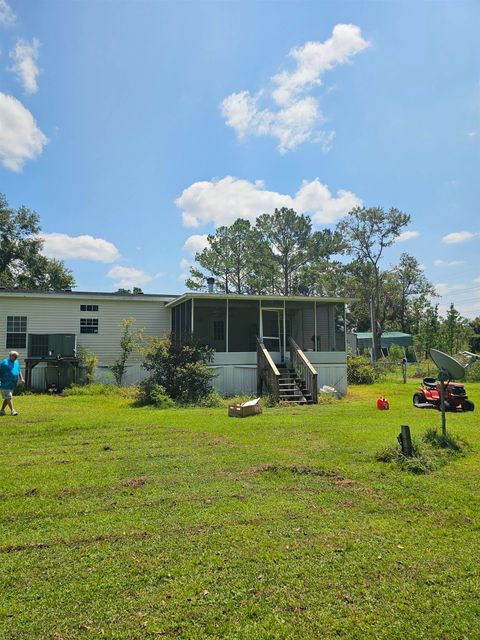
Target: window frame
89, 326
16, 333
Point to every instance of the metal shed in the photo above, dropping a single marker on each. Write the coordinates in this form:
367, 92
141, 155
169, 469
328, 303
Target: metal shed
364, 339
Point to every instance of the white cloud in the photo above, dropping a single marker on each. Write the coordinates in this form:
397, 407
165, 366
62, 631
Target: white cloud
294, 119
62, 246
128, 277
24, 57
477, 280
7, 17
407, 235
20, 138
222, 201
185, 269
315, 58
195, 243
459, 236
446, 263
443, 289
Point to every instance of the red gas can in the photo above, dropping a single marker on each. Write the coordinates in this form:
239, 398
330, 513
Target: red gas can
383, 404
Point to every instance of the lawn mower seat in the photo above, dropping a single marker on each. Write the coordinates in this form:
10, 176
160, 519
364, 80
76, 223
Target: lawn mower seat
430, 382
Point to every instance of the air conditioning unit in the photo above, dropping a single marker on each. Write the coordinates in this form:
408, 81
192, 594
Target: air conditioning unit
52, 346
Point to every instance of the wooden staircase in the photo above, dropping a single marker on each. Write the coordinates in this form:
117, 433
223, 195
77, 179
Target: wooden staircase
297, 385
292, 388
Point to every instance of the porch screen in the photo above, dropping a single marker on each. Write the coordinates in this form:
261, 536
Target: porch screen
210, 323
243, 325
182, 322
330, 327
301, 324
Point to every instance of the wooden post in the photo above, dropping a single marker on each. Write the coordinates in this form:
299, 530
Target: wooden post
442, 405
404, 370
405, 440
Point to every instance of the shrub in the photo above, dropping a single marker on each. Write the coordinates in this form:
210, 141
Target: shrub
89, 361
181, 369
472, 374
128, 341
395, 353
214, 399
149, 392
360, 370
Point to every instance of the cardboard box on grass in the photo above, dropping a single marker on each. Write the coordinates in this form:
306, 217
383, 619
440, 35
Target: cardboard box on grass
250, 408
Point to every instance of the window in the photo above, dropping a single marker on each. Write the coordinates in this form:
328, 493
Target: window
89, 307
16, 332
219, 330
89, 325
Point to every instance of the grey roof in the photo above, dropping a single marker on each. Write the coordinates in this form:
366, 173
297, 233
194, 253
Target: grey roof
237, 296
72, 292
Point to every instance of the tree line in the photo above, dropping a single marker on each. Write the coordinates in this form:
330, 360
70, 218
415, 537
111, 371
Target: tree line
282, 254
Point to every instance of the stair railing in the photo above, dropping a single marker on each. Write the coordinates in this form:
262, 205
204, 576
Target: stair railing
267, 372
304, 369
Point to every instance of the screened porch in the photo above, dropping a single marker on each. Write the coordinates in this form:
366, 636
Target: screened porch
231, 324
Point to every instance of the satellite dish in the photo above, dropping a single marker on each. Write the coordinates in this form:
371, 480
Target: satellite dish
450, 369
448, 365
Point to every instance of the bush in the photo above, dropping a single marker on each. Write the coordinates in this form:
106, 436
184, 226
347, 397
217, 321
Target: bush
214, 399
360, 370
180, 369
89, 361
472, 374
149, 392
395, 353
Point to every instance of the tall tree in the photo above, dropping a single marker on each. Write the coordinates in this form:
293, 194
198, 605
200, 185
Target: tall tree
455, 331
405, 292
238, 259
428, 333
22, 264
290, 237
367, 233
475, 337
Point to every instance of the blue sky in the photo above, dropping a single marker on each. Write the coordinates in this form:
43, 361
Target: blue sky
133, 128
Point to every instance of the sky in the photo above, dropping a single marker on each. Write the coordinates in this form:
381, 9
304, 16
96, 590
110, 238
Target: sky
134, 128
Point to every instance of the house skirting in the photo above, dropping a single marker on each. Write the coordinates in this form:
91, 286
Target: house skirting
242, 379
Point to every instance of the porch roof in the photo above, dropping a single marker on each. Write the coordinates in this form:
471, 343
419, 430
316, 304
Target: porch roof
235, 296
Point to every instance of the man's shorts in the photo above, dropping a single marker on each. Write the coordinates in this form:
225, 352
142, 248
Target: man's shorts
7, 394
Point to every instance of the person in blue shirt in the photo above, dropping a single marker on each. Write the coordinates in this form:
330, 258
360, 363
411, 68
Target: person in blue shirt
10, 373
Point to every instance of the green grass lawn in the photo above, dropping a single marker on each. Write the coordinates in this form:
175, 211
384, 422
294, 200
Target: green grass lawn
124, 522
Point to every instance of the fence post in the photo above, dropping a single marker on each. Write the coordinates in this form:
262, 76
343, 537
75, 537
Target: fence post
405, 440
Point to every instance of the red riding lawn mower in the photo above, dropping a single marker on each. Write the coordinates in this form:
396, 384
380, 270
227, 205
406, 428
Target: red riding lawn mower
428, 396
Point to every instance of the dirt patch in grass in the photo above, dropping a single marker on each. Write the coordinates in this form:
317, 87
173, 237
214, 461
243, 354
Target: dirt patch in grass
31, 492
333, 476
134, 483
299, 470
76, 542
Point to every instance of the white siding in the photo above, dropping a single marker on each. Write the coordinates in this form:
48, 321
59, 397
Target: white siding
49, 314
334, 375
236, 380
